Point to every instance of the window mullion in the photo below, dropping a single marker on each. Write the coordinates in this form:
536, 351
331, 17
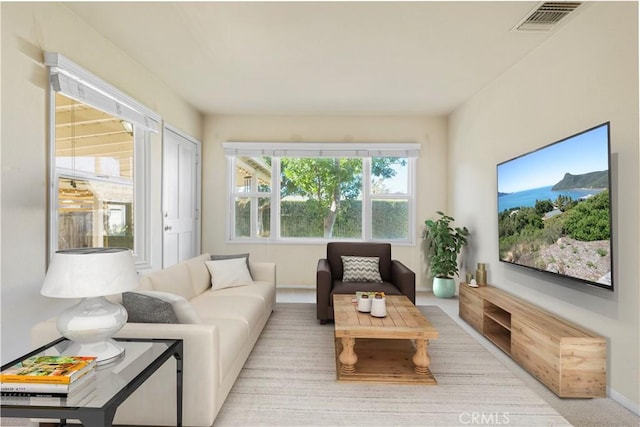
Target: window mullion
231, 212
275, 198
411, 197
366, 198
142, 196
253, 225
254, 206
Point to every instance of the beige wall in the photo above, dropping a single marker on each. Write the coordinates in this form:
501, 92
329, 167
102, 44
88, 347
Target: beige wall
584, 75
29, 29
297, 263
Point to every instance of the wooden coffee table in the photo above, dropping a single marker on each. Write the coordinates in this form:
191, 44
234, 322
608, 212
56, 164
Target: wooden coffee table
389, 349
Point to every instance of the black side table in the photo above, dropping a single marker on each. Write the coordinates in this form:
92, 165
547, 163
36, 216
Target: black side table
114, 383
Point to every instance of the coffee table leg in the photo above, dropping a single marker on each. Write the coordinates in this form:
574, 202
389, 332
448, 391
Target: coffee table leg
421, 357
348, 357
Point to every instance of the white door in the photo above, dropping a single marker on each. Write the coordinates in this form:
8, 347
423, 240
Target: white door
180, 196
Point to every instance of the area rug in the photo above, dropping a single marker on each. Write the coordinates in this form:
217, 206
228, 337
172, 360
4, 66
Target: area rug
290, 380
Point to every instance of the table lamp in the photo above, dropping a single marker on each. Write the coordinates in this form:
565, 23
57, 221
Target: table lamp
91, 274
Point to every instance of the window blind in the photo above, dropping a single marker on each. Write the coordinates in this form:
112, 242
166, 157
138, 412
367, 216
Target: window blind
72, 80
314, 149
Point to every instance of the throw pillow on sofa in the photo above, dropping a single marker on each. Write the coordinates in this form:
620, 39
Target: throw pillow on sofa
229, 273
158, 307
361, 269
224, 257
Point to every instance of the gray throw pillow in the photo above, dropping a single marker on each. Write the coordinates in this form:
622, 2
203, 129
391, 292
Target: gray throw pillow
147, 309
223, 257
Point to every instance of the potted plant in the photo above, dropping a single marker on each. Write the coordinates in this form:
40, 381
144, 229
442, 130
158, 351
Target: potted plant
444, 243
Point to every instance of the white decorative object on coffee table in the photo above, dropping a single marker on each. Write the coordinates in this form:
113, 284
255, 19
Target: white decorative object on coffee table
378, 306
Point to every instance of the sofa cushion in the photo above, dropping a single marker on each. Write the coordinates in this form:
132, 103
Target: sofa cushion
361, 269
174, 279
233, 256
200, 277
147, 309
229, 273
144, 306
247, 308
263, 290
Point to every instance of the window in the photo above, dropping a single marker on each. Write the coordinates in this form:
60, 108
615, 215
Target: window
295, 192
251, 195
99, 154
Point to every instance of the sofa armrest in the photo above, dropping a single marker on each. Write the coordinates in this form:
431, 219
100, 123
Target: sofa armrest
404, 279
323, 289
263, 271
154, 402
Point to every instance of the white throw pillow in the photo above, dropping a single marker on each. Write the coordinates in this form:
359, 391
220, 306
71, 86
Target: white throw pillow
228, 273
184, 311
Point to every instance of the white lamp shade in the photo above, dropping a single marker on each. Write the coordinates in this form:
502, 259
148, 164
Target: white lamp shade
90, 272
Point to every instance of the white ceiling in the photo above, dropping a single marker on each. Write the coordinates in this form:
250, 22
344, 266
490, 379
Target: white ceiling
320, 57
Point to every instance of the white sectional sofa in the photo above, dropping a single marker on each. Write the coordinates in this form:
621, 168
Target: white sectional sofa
215, 349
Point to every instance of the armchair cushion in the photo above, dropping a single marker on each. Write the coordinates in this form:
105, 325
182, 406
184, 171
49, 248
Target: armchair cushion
361, 269
340, 287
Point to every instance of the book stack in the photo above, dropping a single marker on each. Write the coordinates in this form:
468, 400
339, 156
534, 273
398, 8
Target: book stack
68, 377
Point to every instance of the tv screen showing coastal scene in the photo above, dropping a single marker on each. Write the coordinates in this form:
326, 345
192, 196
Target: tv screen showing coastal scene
554, 208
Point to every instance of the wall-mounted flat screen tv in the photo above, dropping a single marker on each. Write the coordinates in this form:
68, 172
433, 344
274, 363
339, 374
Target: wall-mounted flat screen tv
554, 210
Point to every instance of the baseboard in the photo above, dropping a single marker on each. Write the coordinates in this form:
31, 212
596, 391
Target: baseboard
296, 287
632, 406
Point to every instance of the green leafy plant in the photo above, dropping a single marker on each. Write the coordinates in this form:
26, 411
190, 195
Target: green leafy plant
444, 243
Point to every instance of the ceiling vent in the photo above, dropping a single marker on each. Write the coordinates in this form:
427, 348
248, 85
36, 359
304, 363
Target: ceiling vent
546, 16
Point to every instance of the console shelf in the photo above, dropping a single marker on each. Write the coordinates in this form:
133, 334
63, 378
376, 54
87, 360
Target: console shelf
496, 325
498, 315
568, 359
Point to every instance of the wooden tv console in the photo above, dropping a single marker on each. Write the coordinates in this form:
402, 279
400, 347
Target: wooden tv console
568, 359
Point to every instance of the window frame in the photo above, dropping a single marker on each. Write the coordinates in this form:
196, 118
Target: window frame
75, 82
277, 151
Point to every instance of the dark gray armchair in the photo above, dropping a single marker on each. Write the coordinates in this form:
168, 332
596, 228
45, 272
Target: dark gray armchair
397, 278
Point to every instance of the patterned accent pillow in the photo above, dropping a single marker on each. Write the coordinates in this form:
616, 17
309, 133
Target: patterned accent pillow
361, 269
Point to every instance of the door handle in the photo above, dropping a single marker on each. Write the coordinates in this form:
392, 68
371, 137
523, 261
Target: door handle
168, 227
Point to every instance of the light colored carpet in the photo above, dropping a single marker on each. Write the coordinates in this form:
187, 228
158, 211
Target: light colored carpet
290, 380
